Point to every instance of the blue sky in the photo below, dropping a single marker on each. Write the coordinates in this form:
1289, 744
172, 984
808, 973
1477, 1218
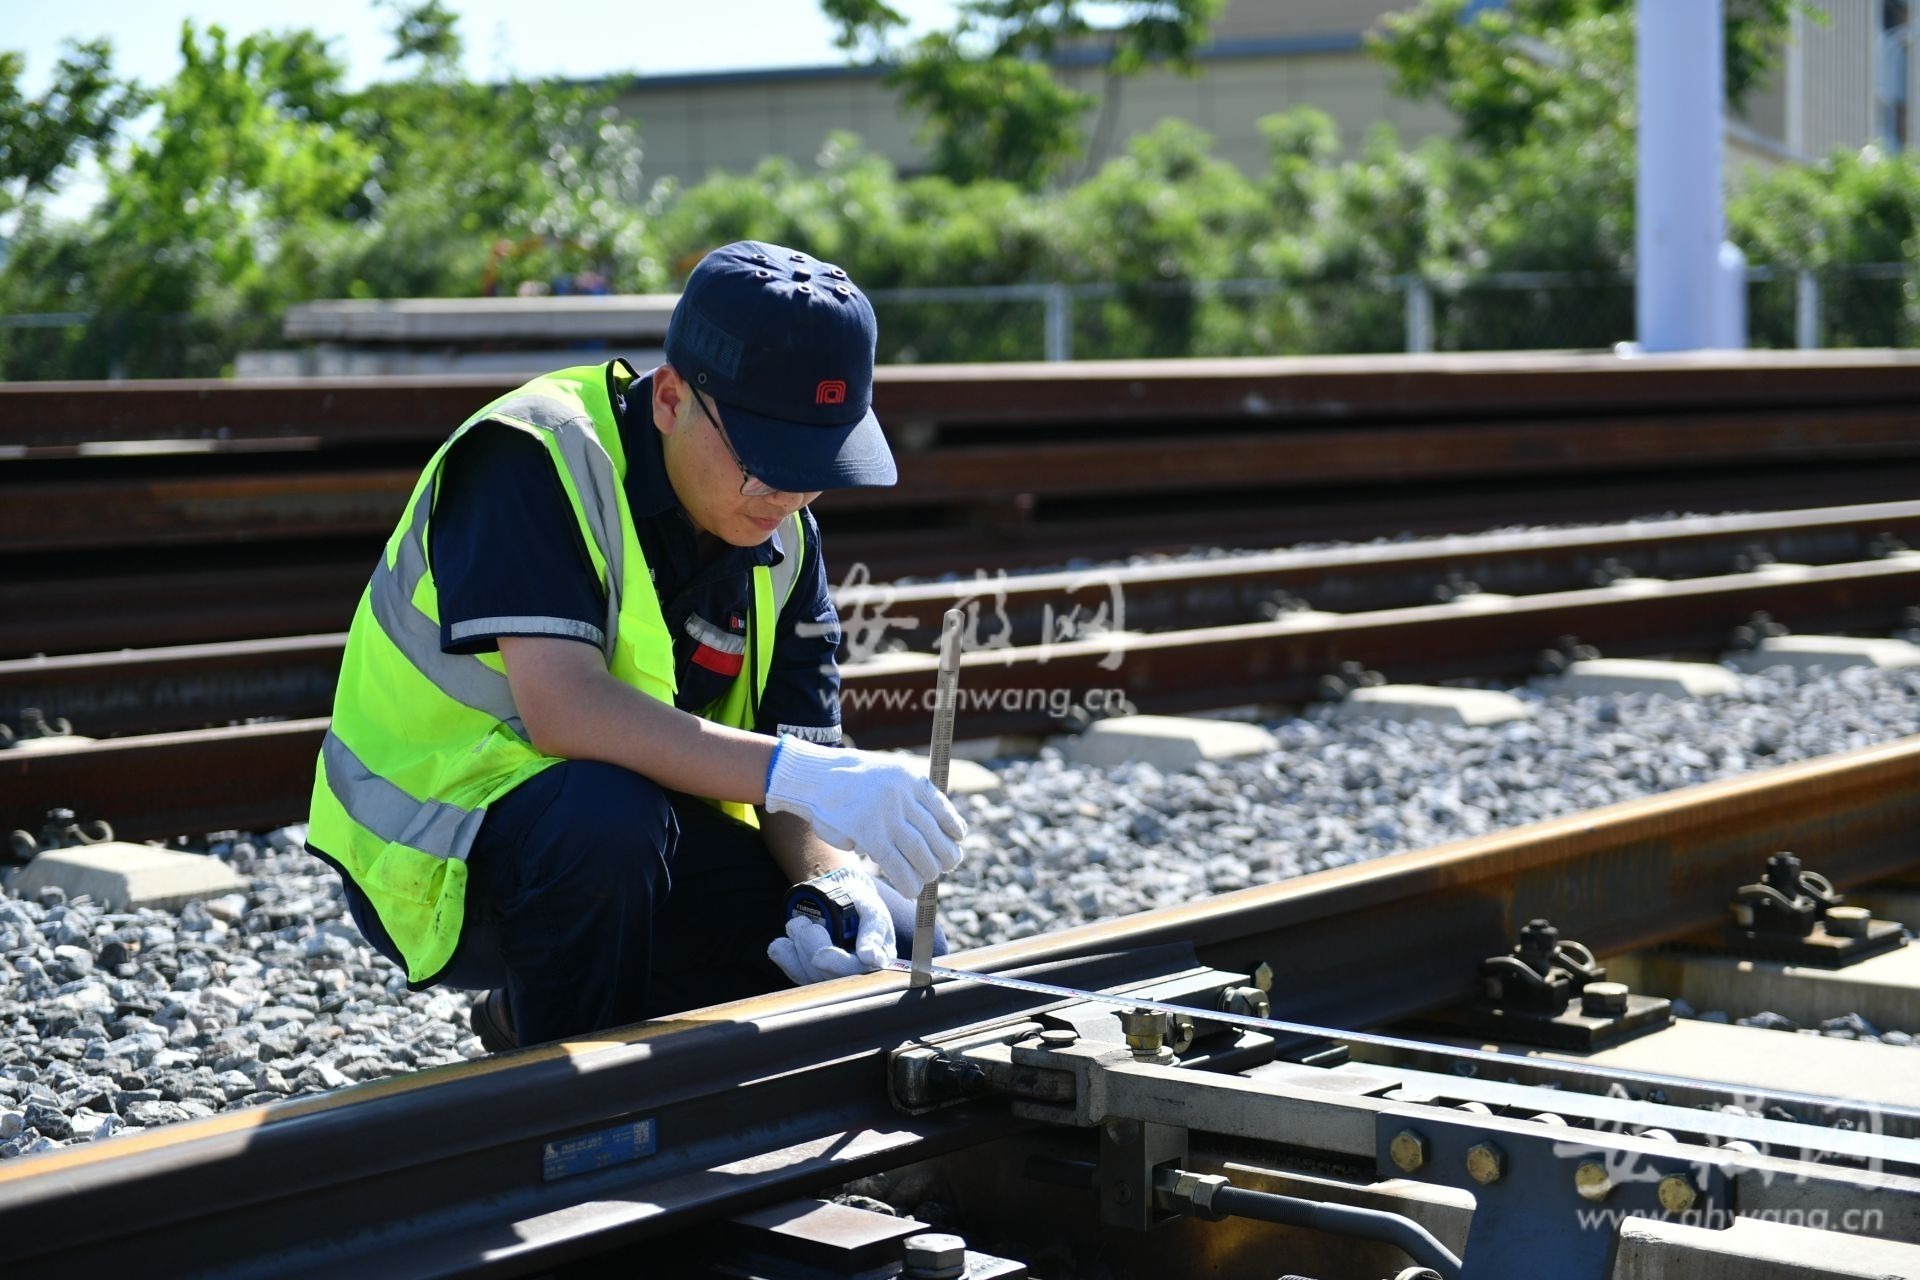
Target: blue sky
574, 38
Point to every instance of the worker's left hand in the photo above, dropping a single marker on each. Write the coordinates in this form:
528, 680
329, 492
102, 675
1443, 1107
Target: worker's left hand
807, 955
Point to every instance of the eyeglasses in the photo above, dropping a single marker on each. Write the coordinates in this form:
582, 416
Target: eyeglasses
750, 485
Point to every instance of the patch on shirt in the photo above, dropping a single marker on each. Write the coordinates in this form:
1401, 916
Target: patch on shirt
825, 734
718, 651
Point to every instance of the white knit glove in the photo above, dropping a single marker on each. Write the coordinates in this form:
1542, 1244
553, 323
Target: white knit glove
807, 955
869, 803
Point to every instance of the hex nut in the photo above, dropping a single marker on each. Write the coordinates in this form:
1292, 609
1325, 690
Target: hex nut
1677, 1193
1592, 1181
1248, 1002
1198, 1189
934, 1255
1263, 977
1408, 1150
1145, 1030
1486, 1163
1604, 999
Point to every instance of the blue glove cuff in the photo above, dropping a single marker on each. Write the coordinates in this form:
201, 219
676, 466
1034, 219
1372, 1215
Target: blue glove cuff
773, 761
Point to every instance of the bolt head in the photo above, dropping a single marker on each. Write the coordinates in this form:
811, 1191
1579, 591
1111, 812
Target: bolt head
1604, 999
1059, 1039
1408, 1150
1486, 1163
1592, 1181
1182, 1033
1677, 1193
1263, 977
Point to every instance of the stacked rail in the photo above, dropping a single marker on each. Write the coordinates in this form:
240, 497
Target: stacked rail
218, 510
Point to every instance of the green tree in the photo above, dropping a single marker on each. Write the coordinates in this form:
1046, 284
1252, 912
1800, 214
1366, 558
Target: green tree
265, 181
986, 91
1506, 71
42, 137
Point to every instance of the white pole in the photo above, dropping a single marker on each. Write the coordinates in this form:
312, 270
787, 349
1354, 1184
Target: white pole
1806, 310
1419, 316
1680, 291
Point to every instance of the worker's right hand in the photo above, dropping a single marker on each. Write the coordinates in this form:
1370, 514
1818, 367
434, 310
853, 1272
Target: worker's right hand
872, 804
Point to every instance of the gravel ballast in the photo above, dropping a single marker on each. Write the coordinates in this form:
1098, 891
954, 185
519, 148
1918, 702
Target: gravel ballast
115, 1022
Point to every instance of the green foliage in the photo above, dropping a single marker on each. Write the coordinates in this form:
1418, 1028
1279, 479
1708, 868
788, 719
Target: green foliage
1506, 71
1854, 208
427, 31
985, 90
264, 182
41, 138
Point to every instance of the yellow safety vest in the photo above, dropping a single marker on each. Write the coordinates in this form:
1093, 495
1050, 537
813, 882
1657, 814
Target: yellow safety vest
423, 741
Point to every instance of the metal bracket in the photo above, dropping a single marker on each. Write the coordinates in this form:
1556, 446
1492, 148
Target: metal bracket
1796, 916
1550, 1202
1132, 1153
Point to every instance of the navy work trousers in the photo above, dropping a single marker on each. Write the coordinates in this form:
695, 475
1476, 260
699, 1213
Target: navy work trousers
597, 898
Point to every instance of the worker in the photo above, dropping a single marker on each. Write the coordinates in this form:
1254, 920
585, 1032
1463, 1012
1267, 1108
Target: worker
587, 733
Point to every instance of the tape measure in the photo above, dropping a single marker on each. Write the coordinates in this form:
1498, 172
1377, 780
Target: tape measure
825, 900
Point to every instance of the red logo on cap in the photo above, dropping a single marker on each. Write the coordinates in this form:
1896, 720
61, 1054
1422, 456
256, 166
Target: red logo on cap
832, 391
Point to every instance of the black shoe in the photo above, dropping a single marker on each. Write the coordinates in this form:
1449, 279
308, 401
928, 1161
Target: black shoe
492, 1022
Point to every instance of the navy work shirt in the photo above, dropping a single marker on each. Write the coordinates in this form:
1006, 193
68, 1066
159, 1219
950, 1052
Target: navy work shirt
509, 560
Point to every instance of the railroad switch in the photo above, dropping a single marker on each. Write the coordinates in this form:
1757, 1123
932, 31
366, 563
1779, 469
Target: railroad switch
1796, 916
1551, 992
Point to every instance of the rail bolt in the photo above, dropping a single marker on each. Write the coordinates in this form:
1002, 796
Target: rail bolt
1677, 1193
1486, 1163
1408, 1149
1263, 977
1848, 922
1592, 1181
1603, 999
1248, 1002
1146, 1034
933, 1255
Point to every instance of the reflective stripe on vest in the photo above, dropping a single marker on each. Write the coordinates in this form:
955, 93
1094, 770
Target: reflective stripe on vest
422, 740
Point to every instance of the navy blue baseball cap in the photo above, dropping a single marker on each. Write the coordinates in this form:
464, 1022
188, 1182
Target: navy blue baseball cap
784, 343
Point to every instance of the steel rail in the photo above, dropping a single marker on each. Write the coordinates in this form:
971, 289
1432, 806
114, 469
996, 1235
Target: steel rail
249, 586
158, 689
453, 1170
340, 412
62, 513
260, 775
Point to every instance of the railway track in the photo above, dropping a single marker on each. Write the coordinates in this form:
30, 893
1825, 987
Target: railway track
1070, 1133
665, 1144
165, 513
170, 776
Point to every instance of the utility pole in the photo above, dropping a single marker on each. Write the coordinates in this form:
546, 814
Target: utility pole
1688, 292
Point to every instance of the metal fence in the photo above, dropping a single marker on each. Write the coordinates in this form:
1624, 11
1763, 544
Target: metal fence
1873, 304
1861, 305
